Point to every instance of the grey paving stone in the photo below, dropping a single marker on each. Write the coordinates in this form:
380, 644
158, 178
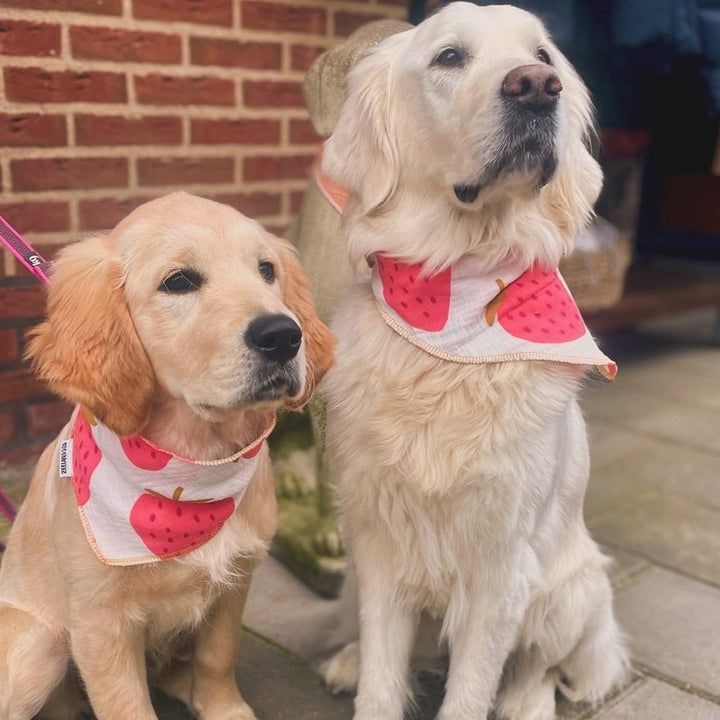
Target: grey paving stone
656, 466
277, 684
282, 608
654, 700
666, 528
625, 567
674, 627
656, 414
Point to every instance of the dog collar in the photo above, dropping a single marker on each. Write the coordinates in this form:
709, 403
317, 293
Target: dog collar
466, 315
140, 503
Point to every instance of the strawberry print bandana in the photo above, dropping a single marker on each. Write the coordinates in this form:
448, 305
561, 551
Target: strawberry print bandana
464, 315
142, 504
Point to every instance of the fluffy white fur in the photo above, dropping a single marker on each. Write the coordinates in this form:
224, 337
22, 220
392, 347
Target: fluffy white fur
461, 487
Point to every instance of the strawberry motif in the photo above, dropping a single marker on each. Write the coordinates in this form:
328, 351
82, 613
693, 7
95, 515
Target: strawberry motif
169, 526
252, 453
143, 455
536, 307
422, 301
86, 456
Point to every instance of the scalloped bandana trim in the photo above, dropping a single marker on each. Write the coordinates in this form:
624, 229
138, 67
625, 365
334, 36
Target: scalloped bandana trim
141, 504
466, 315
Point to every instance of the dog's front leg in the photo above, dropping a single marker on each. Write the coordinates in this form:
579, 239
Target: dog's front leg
387, 631
482, 626
111, 658
215, 695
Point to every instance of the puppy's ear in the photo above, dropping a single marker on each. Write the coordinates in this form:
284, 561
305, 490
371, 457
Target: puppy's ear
87, 349
319, 341
361, 154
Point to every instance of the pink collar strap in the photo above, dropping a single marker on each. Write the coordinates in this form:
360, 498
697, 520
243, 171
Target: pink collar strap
141, 504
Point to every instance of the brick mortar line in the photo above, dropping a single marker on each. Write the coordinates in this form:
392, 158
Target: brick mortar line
133, 68
197, 112
249, 150
189, 27
683, 685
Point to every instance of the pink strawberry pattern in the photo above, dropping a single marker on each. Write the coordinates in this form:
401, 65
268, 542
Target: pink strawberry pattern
170, 526
143, 455
86, 456
422, 301
537, 307
252, 453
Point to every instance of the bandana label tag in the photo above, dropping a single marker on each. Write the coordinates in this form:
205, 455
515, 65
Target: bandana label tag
66, 459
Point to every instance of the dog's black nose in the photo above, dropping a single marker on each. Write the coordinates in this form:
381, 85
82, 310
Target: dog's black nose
277, 337
535, 87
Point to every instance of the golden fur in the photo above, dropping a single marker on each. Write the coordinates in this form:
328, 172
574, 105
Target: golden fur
176, 368
461, 487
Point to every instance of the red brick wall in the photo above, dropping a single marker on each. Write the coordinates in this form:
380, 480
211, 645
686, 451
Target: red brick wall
107, 103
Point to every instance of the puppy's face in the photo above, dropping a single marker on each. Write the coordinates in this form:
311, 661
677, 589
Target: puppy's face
187, 298
205, 290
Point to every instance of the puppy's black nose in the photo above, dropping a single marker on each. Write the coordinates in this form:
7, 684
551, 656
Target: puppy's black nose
277, 337
535, 87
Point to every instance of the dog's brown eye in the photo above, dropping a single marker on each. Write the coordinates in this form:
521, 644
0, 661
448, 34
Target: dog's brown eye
542, 56
181, 281
267, 271
450, 57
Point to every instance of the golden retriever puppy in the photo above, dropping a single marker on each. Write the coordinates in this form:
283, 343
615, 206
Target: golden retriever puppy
179, 335
458, 447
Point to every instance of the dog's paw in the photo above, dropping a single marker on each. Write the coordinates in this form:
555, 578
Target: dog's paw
327, 541
341, 671
296, 474
533, 703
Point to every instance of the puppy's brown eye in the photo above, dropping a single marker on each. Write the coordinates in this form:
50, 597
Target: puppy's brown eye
542, 56
451, 57
267, 271
182, 281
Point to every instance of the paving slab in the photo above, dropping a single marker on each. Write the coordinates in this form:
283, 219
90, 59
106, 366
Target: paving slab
655, 700
654, 414
667, 529
673, 623
652, 465
277, 684
282, 608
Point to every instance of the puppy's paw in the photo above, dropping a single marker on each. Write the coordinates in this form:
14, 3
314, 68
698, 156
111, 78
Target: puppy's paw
341, 671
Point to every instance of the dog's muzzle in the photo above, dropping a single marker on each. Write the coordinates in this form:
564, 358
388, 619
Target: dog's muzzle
276, 340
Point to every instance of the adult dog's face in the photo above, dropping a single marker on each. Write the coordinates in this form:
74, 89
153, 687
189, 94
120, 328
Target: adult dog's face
473, 104
484, 95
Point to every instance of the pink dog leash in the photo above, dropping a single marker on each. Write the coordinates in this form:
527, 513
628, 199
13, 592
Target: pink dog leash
38, 266
23, 251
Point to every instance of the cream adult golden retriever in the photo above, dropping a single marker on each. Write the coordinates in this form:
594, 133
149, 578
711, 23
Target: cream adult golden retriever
461, 486
190, 324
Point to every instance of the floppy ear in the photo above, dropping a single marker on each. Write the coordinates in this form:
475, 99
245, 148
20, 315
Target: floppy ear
572, 194
319, 341
361, 154
87, 349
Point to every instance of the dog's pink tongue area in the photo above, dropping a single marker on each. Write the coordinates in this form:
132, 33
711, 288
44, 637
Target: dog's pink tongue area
537, 307
421, 301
